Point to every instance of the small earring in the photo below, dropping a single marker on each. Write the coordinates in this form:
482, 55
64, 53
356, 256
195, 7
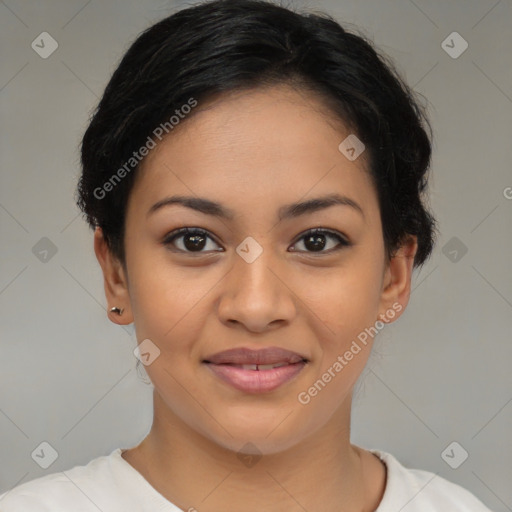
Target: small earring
117, 310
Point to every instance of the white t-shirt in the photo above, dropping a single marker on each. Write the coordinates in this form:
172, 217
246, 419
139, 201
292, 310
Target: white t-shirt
111, 484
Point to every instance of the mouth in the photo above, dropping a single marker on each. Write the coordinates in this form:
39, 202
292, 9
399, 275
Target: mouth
256, 371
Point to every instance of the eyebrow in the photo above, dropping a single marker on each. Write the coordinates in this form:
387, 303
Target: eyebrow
288, 211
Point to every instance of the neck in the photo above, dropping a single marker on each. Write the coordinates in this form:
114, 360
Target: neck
323, 472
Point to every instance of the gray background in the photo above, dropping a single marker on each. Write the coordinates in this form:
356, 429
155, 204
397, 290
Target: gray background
440, 374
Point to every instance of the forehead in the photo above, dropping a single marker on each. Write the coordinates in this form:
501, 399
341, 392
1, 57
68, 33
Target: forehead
277, 118
273, 144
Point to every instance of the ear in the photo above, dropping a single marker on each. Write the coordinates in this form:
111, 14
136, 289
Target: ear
396, 283
114, 280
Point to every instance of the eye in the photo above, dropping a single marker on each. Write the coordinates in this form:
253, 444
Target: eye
315, 240
191, 240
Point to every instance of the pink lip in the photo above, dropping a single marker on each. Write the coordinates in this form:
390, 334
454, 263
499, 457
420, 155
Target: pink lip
256, 381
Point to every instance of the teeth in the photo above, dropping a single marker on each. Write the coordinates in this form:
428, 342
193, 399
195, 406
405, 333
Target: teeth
270, 366
262, 366
249, 367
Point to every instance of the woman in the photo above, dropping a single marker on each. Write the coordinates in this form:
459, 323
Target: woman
255, 179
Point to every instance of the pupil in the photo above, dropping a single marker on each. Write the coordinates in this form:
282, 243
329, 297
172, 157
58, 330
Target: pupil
194, 245
318, 242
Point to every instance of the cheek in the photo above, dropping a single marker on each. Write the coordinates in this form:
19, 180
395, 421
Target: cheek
346, 307
345, 299
165, 297
346, 311
168, 311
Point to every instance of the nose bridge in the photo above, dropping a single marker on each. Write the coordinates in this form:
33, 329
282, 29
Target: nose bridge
254, 275
253, 293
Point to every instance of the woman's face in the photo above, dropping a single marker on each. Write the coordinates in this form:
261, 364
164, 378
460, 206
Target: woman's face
256, 279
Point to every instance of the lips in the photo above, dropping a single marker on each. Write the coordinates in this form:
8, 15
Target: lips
256, 371
262, 359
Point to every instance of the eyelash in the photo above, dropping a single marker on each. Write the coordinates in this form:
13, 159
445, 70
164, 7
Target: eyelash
343, 242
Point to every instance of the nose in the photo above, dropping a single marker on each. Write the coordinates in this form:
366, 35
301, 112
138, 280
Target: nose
257, 295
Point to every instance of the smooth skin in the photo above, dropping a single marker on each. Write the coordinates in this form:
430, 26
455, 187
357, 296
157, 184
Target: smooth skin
254, 152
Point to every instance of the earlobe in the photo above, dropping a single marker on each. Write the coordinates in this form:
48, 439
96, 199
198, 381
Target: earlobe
114, 281
396, 287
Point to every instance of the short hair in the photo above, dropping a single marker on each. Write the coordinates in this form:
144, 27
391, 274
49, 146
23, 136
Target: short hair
219, 46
